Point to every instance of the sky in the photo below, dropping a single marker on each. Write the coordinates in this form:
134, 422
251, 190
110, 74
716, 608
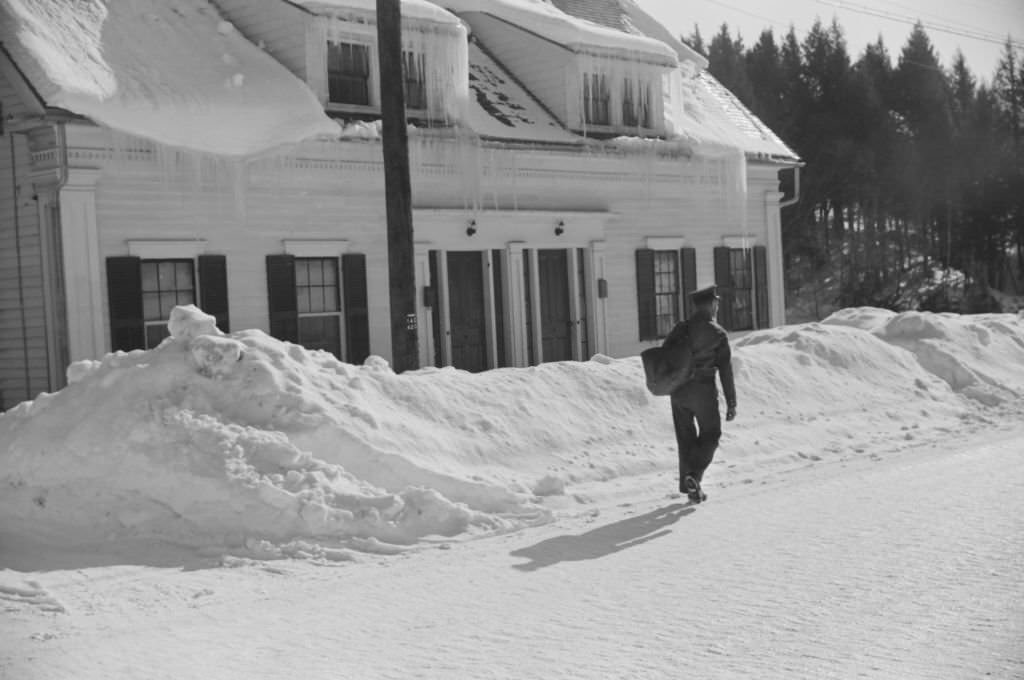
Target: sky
862, 21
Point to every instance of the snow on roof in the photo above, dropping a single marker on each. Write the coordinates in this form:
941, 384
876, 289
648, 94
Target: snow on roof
697, 108
751, 134
499, 108
627, 16
420, 10
701, 110
169, 71
580, 35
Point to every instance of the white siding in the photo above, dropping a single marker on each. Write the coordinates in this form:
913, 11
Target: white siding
277, 25
24, 371
339, 195
141, 203
539, 64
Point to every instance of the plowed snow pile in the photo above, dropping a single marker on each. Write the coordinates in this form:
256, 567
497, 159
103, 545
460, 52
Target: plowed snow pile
243, 442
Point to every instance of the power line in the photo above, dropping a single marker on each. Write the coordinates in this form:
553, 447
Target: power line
740, 10
983, 36
939, 17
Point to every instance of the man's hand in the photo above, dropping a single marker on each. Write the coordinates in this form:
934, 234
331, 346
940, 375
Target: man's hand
730, 413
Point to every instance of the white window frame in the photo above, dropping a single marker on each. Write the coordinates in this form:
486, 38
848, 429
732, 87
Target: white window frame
639, 84
150, 250
418, 112
373, 81
323, 249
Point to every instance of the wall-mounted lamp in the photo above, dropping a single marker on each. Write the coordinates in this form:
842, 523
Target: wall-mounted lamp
471, 229
560, 229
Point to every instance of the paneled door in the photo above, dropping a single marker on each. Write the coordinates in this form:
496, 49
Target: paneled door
466, 310
555, 310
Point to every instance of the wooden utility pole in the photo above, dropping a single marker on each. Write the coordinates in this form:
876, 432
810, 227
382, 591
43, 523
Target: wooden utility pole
397, 189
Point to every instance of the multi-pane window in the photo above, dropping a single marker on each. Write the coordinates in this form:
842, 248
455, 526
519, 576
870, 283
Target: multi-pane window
636, 103
348, 73
414, 79
165, 285
319, 303
666, 290
596, 99
742, 307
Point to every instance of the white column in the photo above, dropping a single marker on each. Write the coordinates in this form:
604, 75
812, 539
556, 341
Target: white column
598, 313
88, 334
534, 292
445, 304
575, 310
424, 318
776, 272
490, 317
516, 293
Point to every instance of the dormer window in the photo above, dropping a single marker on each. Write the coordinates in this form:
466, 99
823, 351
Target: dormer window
636, 103
596, 99
348, 73
415, 80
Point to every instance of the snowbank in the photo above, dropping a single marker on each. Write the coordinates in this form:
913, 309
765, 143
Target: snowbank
174, 73
243, 442
981, 355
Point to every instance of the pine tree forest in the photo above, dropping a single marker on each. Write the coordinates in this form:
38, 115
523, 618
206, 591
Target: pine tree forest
912, 196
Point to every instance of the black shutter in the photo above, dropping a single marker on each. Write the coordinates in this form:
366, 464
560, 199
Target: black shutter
357, 315
723, 279
124, 300
688, 263
282, 300
761, 285
645, 303
213, 288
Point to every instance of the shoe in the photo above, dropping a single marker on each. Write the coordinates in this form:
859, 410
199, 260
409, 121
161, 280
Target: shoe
691, 487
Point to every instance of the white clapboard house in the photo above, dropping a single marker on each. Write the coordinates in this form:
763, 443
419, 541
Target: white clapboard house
575, 170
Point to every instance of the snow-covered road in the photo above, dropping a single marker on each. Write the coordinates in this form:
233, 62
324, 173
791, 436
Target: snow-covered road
898, 565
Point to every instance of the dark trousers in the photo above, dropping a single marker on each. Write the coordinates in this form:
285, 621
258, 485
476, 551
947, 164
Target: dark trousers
698, 427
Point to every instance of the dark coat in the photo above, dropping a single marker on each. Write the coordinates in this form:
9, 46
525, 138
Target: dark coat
710, 345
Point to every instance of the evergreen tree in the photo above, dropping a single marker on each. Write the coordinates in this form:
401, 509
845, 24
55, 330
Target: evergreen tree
923, 101
727, 64
767, 80
695, 41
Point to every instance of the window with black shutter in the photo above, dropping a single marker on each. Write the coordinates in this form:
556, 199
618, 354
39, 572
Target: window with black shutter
319, 303
742, 278
314, 304
141, 294
165, 285
663, 277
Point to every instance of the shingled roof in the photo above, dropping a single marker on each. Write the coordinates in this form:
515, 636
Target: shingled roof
604, 12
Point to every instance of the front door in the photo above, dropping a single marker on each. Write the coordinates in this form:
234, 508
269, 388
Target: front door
466, 310
555, 315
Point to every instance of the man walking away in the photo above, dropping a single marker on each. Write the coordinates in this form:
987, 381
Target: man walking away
695, 412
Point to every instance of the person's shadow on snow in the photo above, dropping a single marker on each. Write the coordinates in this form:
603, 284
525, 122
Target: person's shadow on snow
603, 540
